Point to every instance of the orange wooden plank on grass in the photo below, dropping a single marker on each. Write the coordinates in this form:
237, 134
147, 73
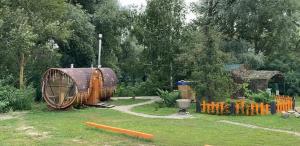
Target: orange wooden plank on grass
120, 130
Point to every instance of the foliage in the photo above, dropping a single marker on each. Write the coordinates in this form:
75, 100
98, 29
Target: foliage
261, 96
15, 99
163, 23
112, 22
126, 90
136, 89
153, 47
168, 98
79, 48
261, 34
130, 61
211, 80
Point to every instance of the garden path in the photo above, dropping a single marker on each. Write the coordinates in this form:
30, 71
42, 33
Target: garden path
127, 109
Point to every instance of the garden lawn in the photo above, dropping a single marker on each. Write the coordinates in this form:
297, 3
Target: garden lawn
67, 128
152, 109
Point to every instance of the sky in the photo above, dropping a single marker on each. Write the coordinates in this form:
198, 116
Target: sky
189, 16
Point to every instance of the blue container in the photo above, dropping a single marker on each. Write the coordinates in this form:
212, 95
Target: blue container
182, 82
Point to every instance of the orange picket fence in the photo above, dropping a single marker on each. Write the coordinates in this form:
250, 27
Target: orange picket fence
240, 107
284, 103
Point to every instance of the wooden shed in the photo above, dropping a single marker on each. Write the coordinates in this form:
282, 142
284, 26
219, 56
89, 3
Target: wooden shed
63, 87
258, 79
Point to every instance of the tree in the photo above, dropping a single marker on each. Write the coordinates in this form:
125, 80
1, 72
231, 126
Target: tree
17, 39
262, 34
211, 80
79, 48
28, 29
163, 23
111, 22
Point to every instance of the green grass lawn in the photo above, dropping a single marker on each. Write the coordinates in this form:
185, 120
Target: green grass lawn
67, 128
152, 109
126, 101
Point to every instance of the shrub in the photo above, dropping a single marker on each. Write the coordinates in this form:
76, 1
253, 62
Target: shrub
12, 98
261, 96
4, 106
125, 90
23, 99
168, 98
135, 89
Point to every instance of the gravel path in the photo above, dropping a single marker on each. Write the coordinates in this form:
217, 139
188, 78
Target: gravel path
127, 109
258, 127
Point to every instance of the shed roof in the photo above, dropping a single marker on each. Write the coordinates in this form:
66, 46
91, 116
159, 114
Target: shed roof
256, 74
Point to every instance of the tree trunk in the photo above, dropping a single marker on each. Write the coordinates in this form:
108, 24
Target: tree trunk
21, 73
171, 76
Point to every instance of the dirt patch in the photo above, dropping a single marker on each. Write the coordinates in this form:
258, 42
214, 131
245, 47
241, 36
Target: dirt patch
5, 117
79, 141
32, 132
11, 115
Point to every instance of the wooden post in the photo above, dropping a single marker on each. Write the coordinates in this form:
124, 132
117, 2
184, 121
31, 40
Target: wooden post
208, 108
243, 106
273, 107
204, 106
213, 107
252, 109
217, 108
267, 109
232, 108
256, 108
237, 108
247, 110
261, 109
198, 105
222, 108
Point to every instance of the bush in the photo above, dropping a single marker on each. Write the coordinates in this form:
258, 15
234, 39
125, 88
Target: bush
261, 96
136, 89
125, 90
12, 98
4, 106
168, 98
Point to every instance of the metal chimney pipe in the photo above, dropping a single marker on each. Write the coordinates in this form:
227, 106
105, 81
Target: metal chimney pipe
72, 65
99, 51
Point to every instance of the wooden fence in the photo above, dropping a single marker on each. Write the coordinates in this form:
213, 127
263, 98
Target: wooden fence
240, 107
284, 103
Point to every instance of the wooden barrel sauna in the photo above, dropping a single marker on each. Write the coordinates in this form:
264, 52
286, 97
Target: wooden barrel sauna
63, 87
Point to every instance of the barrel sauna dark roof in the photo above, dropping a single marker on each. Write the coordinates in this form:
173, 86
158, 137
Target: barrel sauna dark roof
81, 76
109, 77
